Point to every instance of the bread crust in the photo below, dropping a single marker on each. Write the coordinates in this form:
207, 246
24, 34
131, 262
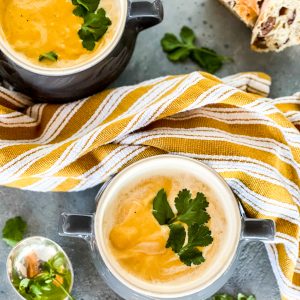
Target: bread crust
245, 10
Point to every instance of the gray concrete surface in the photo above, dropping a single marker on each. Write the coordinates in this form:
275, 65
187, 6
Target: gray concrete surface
218, 29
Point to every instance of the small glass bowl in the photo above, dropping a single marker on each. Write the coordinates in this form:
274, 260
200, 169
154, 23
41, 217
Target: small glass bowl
44, 248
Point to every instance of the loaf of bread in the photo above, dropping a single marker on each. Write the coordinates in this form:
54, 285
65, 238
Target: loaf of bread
246, 10
278, 26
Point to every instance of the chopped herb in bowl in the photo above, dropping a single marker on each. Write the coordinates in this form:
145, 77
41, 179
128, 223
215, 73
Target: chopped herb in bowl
38, 268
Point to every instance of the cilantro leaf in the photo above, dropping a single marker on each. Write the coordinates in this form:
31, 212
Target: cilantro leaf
80, 11
52, 56
191, 210
208, 59
170, 42
94, 27
193, 213
188, 36
14, 230
179, 50
198, 236
176, 237
161, 208
191, 256
89, 5
180, 54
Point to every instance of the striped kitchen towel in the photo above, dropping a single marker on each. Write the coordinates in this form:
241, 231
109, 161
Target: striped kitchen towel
229, 124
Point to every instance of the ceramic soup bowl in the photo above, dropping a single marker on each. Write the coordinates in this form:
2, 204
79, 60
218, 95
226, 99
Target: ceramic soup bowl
66, 84
239, 229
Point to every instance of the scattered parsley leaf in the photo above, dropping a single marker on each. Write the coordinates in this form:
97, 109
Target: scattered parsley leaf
179, 54
188, 36
52, 56
14, 230
161, 208
176, 237
191, 210
179, 50
170, 42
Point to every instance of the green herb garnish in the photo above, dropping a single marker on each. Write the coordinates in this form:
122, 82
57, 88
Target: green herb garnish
229, 297
52, 56
52, 282
180, 50
95, 24
13, 231
191, 212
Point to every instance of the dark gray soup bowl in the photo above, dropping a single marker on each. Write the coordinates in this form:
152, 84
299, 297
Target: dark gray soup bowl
75, 83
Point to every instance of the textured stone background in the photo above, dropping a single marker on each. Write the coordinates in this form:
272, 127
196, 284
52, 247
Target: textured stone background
218, 29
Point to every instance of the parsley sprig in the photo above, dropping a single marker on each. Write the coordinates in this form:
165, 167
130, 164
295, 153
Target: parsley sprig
13, 231
191, 212
52, 56
95, 24
185, 47
52, 278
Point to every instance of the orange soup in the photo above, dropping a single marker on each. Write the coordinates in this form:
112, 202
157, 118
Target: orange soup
34, 27
138, 242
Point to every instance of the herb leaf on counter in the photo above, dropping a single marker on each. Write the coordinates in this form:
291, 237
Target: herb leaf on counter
179, 50
52, 56
14, 230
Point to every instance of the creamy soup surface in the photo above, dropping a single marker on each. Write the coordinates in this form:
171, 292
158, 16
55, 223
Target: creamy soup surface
35, 27
137, 241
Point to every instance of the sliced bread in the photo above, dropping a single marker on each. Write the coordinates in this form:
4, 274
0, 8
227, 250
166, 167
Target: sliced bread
246, 10
278, 26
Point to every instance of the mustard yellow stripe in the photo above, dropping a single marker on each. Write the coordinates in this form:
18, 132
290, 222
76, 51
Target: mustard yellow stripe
10, 153
29, 133
287, 266
251, 130
262, 187
81, 117
67, 185
210, 147
23, 182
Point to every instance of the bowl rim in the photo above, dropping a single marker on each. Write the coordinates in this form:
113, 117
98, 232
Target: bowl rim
102, 246
46, 239
59, 72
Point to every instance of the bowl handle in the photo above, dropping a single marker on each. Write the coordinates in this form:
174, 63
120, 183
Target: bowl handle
77, 226
258, 230
144, 14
